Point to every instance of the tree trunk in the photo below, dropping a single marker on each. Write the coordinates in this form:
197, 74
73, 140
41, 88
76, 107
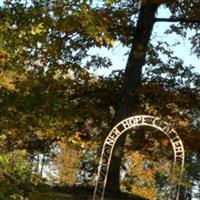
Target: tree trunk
128, 101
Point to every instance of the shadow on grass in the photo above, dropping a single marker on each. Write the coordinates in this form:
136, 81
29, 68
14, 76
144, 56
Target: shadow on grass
78, 193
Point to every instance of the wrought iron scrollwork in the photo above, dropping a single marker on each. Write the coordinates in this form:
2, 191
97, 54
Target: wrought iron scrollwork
131, 122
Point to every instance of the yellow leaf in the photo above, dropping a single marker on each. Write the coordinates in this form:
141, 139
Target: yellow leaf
37, 29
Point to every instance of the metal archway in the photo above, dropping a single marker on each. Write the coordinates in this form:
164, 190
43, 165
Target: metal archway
136, 121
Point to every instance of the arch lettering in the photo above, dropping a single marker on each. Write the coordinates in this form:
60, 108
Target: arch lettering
132, 122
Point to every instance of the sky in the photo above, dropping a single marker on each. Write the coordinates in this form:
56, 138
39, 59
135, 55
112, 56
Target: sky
119, 59
183, 50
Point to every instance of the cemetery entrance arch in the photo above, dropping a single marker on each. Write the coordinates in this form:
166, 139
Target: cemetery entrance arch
137, 121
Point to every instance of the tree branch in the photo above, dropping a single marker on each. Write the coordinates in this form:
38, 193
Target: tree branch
185, 20
86, 93
9, 176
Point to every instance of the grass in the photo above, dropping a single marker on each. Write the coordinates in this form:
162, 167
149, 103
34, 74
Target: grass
45, 192
62, 196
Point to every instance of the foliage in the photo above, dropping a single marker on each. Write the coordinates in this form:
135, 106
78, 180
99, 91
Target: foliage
50, 95
67, 164
17, 177
139, 178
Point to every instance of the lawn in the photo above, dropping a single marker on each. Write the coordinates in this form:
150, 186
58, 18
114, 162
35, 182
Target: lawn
45, 192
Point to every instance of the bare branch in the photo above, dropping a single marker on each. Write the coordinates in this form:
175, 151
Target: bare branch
185, 20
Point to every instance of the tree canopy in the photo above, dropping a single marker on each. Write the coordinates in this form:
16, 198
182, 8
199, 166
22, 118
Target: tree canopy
54, 104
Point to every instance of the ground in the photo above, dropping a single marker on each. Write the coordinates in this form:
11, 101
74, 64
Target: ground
80, 193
